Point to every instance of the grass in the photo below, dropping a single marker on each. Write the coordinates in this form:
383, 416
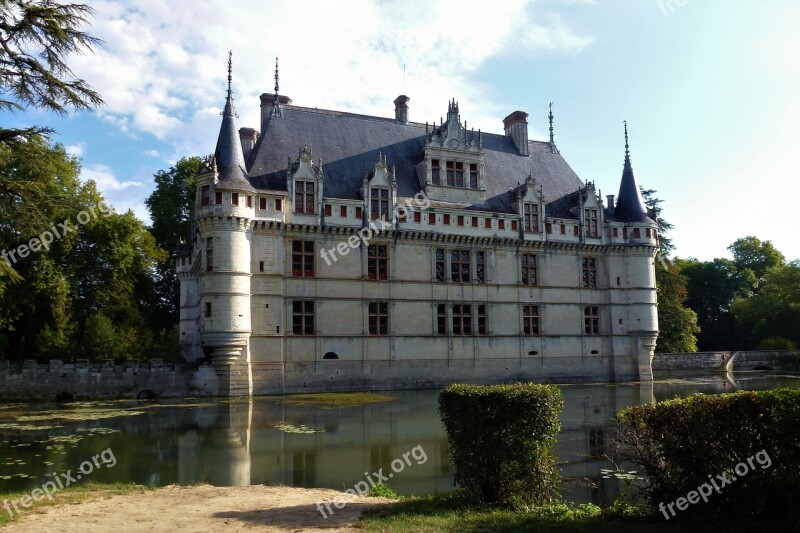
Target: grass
72, 495
332, 400
457, 513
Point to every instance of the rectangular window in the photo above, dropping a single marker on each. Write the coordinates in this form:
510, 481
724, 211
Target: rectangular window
591, 320
589, 278
218, 198
480, 267
249, 201
205, 193
530, 320
636, 233
513, 225
262, 204
624, 233
431, 218
459, 266
647, 232
278, 204
379, 203
451, 173
575, 230
473, 176
435, 179
359, 212
529, 270
418, 217
563, 229
303, 317
261, 266
474, 222
234, 198
328, 210
446, 221
488, 223
614, 232
590, 216
378, 318
343, 211
501, 224
460, 175
460, 220
377, 262
208, 309
548, 227
304, 197
303, 259
209, 254
441, 319
531, 216
481, 320
462, 319
440, 265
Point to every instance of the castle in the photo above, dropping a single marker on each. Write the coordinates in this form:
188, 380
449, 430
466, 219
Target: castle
336, 251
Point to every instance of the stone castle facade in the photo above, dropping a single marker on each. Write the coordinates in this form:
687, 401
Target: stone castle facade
336, 251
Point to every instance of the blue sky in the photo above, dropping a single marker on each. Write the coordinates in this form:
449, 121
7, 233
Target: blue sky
710, 90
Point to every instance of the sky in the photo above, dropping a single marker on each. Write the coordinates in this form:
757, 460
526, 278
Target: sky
710, 90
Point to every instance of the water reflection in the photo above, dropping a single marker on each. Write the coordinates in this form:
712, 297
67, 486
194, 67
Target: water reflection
237, 443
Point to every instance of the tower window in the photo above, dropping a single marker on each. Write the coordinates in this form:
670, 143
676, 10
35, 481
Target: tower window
637, 233
529, 269
431, 218
591, 320
218, 198
343, 211
249, 201
446, 220
261, 266
262, 204
208, 309
460, 220
303, 317
378, 318
488, 223
303, 259
474, 222
589, 272
530, 320
379, 206
377, 262
278, 204
234, 198
590, 221
462, 319
359, 212
418, 217
328, 210
513, 225
304, 197
530, 216
205, 192
501, 224
615, 232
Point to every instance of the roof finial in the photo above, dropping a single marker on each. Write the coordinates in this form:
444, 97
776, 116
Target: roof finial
276, 77
553, 148
230, 70
627, 151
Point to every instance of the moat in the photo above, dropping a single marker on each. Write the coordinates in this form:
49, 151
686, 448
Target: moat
268, 440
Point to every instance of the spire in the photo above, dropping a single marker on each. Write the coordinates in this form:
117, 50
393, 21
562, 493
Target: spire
229, 157
630, 206
276, 106
553, 148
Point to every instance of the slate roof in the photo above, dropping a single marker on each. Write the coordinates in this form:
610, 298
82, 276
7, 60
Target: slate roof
347, 143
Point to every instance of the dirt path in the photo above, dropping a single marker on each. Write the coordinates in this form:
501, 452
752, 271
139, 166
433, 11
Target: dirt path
202, 508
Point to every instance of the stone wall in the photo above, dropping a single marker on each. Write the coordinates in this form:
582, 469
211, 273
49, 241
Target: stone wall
787, 360
82, 379
666, 362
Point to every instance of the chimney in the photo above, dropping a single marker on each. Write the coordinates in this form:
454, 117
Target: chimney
516, 126
401, 108
610, 202
248, 138
267, 102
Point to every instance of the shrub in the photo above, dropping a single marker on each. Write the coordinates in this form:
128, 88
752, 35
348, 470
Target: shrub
683, 443
382, 490
500, 439
777, 343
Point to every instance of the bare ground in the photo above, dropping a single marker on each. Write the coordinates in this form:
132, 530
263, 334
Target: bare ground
202, 508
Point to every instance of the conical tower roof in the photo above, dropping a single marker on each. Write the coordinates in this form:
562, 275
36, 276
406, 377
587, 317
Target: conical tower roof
630, 206
229, 156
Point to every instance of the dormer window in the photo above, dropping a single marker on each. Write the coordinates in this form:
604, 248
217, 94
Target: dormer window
531, 216
435, 179
451, 173
304, 197
379, 203
590, 221
473, 176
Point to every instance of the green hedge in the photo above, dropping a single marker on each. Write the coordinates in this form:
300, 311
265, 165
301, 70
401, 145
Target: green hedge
683, 443
500, 439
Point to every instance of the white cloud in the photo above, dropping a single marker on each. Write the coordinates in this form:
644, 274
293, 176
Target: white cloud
104, 177
152, 153
76, 150
164, 75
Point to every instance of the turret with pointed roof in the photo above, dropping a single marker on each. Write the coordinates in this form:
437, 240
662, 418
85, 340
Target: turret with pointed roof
630, 206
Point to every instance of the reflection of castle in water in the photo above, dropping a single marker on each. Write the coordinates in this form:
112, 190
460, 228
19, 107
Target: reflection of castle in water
241, 445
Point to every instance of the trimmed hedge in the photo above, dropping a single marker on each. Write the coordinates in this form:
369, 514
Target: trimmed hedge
500, 439
684, 443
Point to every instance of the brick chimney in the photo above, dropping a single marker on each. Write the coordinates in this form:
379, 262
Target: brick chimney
610, 202
248, 138
267, 102
516, 127
401, 108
